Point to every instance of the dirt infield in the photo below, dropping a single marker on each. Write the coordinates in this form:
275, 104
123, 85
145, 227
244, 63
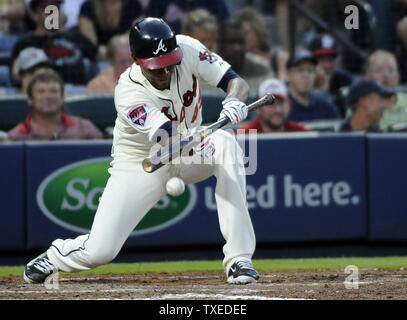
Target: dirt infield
373, 284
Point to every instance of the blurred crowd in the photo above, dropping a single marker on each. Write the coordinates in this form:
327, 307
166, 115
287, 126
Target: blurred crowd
82, 48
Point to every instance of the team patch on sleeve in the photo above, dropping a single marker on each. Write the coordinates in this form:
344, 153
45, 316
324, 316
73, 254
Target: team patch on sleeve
138, 115
208, 56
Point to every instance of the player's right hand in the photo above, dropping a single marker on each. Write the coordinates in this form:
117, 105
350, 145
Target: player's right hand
234, 109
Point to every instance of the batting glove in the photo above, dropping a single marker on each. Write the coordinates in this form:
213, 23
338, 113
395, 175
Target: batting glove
206, 149
234, 109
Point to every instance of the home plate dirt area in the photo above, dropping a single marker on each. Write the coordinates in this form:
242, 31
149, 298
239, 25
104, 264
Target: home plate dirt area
373, 284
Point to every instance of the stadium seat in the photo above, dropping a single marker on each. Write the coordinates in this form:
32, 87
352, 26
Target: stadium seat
98, 108
212, 106
323, 125
13, 110
5, 79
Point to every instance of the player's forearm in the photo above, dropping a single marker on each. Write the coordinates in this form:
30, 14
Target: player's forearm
238, 88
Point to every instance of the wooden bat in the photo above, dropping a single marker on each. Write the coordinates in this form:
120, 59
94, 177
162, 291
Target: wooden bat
176, 149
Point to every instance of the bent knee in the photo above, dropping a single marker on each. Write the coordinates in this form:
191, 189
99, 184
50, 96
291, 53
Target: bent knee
228, 142
226, 138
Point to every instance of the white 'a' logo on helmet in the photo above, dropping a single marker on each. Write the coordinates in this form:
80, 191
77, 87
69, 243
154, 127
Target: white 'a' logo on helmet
161, 46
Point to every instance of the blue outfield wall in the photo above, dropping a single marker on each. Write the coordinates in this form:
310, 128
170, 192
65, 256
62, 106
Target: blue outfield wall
12, 197
387, 187
309, 189
306, 187
43, 159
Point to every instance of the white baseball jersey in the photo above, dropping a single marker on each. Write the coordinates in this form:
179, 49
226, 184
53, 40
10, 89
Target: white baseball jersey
142, 109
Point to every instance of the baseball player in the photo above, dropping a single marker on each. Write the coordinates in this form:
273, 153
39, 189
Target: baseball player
160, 93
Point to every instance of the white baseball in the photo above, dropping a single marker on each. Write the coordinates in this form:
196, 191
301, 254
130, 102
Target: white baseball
175, 186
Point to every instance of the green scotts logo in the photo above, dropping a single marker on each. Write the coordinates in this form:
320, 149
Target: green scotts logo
70, 196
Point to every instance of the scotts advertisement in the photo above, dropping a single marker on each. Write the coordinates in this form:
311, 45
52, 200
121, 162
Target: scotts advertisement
293, 195
69, 197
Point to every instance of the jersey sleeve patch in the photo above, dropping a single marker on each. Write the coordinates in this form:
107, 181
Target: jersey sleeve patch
138, 115
206, 55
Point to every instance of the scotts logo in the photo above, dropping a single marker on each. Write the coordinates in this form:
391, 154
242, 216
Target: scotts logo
70, 196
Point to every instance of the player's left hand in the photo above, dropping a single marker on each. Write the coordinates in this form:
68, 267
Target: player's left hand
234, 109
205, 149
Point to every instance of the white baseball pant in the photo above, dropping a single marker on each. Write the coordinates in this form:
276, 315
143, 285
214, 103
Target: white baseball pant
130, 193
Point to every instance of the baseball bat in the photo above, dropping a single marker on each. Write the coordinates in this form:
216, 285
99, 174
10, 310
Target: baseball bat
174, 150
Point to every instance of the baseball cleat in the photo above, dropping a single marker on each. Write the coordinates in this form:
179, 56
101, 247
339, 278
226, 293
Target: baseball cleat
242, 272
39, 269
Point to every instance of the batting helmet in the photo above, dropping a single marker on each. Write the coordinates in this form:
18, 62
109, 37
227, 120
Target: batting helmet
153, 44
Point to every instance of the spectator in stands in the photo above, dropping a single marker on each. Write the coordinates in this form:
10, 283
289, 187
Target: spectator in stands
65, 48
306, 104
14, 20
100, 20
19, 14
324, 49
383, 67
397, 34
118, 52
368, 99
232, 47
329, 77
47, 121
13, 17
28, 62
175, 12
203, 26
71, 9
279, 9
274, 118
259, 42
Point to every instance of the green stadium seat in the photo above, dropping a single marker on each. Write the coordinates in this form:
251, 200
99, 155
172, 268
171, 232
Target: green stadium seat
212, 106
98, 108
13, 110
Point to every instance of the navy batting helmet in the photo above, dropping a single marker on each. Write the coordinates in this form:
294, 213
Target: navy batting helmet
153, 44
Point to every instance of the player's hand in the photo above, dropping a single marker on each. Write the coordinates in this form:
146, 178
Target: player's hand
205, 149
234, 109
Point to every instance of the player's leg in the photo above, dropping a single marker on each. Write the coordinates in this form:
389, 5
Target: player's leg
129, 194
230, 195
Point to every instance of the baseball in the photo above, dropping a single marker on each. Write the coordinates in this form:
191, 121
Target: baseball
175, 186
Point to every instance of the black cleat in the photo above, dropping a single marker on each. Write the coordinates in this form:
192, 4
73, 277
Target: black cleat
242, 272
39, 269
